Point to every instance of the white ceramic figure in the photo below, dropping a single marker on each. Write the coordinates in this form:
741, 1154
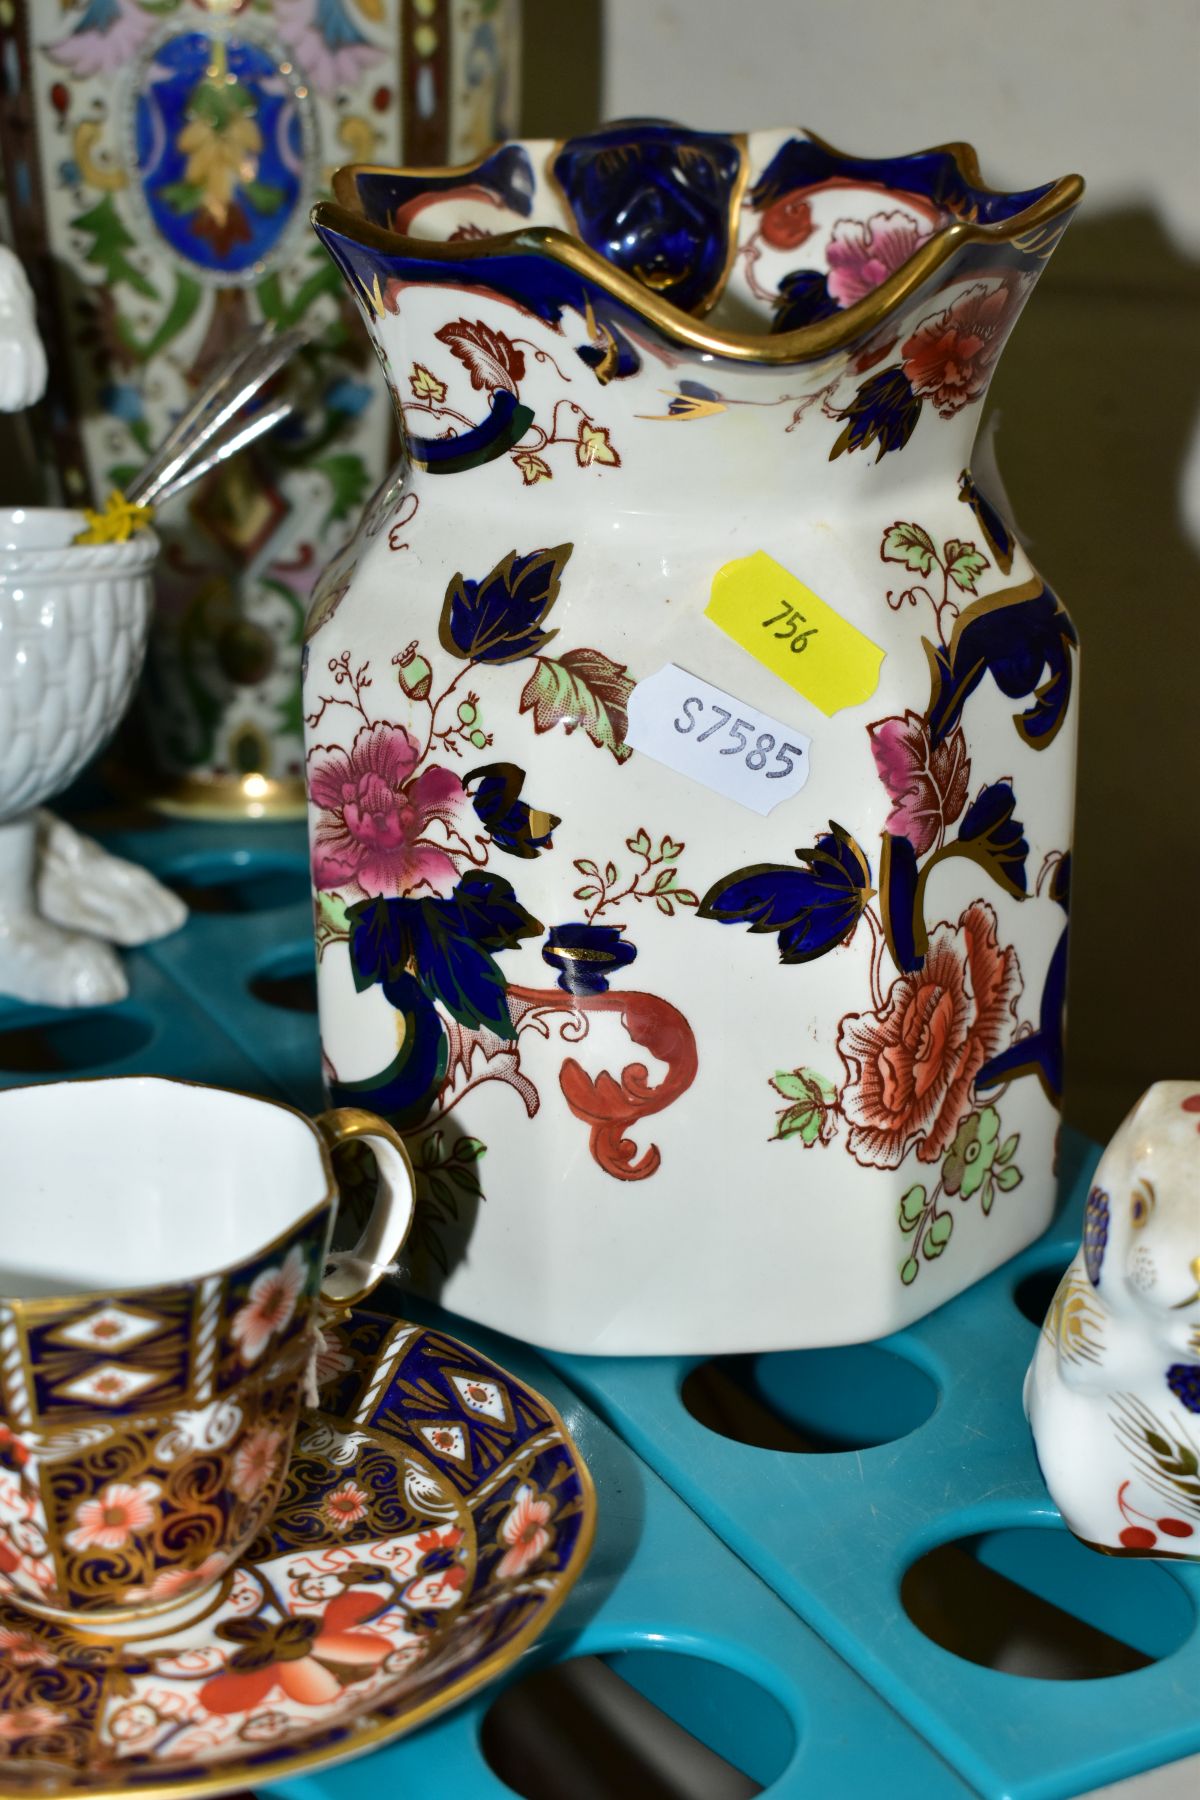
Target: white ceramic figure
22, 359
690, 742
73, 624
1113, 1393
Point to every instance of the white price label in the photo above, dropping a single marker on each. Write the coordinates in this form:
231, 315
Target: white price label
706, 734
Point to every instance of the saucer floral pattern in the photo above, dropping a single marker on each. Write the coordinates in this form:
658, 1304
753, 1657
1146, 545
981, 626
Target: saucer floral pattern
391, 1572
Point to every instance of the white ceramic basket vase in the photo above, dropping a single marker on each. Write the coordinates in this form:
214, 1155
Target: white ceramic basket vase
73, 626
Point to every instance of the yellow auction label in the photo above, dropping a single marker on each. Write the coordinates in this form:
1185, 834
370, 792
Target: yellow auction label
764, 607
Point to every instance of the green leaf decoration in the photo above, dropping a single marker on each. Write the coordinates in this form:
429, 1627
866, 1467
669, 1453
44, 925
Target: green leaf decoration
910, 545
187, 297
1008, 1148
582, 688
1008, 1178
468, 1149
964, 563
912, 1205
639, 845
183, 197
669, 850
815, 1100
908, 1270
348, 481
109, 243
262, 196
938, 1235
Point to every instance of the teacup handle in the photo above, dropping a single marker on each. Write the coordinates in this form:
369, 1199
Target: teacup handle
354, 1275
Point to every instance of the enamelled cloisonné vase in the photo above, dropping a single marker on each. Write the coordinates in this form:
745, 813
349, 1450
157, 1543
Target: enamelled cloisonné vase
161, 159
685, 1065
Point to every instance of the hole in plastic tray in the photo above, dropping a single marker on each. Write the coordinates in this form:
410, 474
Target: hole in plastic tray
239, 883
90, 1040
1034, 1292
638, 1725
1034, 1601
852, 1398
288, 981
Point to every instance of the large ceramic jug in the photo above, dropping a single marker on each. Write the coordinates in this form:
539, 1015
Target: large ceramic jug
690, 746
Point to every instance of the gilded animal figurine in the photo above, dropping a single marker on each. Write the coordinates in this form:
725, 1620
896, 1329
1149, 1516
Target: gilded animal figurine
1113, 1392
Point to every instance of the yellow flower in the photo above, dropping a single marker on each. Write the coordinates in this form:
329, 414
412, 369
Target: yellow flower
593, 446
116, 524
532, 467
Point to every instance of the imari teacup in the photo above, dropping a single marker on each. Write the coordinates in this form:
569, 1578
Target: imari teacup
165, 1255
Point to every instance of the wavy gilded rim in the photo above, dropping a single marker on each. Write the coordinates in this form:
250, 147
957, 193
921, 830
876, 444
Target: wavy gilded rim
344, 216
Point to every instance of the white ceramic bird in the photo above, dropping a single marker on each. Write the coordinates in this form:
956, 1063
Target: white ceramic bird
22, 359
1113, 1393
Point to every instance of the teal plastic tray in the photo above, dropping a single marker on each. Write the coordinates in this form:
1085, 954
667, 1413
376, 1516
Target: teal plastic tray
780, 1572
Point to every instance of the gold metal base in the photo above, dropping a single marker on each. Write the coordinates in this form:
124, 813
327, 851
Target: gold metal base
228, 797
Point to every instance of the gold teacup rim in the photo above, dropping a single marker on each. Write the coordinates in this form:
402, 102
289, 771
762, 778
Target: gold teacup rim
44, 1304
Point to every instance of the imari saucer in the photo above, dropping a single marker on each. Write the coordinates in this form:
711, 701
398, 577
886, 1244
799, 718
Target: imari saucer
434, 1516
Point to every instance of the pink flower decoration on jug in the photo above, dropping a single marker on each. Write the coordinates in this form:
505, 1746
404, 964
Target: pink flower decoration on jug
863, 253
929, 786
913, 1063
255, 1461
949, 357
526, 1531
373, 833
269, 1306
115, 1515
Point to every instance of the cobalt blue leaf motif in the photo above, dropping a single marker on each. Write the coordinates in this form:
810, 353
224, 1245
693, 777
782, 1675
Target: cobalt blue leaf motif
446, 945
884, 411
404, 1091
1041, 1053
803, 298
499, 619
997, 536
991, 834
514, 827
379, 946
490, 911
813, 908
1024, 637
900, 902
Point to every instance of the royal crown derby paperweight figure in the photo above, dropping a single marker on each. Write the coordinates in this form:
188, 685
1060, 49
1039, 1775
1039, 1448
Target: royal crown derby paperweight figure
690, 744
161, 157
1113, 1393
